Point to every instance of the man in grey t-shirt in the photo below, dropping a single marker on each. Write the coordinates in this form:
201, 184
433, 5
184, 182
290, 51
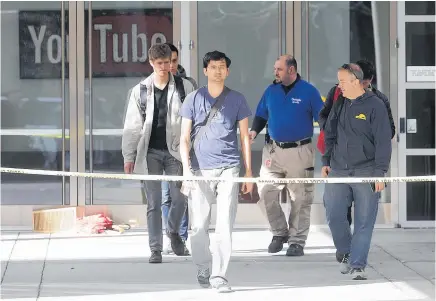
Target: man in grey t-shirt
214, 154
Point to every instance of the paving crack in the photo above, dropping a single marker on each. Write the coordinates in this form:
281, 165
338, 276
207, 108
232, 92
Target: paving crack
43, 268
404, 264
9, 258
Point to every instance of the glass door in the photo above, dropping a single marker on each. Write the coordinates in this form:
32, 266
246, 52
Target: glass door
416, 125
116, 39
37, 67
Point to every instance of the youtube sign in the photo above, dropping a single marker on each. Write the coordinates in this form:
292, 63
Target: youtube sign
120, 42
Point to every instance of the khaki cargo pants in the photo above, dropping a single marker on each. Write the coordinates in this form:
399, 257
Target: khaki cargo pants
295, 162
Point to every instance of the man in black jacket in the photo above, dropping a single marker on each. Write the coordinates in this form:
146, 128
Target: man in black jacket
358, 144
368, 75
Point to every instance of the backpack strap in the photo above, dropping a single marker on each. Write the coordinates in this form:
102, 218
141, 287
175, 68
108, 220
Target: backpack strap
142, 102
180, 87
337, 93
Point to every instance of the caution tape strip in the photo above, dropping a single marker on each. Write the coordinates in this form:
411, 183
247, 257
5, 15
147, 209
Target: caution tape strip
97, 175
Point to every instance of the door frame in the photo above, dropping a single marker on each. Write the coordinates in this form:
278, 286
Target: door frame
403, 86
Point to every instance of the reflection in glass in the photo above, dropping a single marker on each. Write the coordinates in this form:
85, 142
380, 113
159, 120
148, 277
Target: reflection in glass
420, 7
420, 106
31, 101
122, 33
420, 44
248, 33
420, 195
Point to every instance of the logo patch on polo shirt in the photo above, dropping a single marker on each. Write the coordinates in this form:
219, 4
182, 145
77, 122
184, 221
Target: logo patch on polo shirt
361, 116
296, 100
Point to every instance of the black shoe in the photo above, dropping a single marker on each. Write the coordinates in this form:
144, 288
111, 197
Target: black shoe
295, 250
177, 244
276, 244
156, 257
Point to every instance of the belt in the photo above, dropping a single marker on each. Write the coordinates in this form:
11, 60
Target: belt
292, 144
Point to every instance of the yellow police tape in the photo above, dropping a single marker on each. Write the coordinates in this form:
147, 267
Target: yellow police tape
97, 175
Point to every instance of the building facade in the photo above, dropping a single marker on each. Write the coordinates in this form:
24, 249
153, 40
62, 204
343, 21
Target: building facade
66, 68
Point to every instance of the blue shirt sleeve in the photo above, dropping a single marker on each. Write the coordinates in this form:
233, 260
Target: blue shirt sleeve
243, 110
316, 104
187, 109
262, 108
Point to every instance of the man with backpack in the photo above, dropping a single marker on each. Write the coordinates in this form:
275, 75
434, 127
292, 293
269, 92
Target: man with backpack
358, 144
335, 94
150, 145
176, 70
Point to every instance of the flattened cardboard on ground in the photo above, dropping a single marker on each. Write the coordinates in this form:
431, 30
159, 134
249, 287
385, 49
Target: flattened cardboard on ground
61, 219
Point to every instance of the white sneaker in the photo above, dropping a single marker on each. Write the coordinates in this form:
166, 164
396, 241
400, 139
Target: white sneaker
168, 249
220, 285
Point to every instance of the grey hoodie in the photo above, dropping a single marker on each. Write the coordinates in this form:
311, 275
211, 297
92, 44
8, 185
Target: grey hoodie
358, 136
136, 132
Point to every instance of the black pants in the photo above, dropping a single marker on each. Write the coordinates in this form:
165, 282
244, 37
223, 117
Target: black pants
349, 216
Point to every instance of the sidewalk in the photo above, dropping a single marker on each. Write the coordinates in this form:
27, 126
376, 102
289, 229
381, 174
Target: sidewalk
115, 267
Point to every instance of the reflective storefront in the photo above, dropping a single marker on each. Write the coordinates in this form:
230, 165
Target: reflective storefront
67, 68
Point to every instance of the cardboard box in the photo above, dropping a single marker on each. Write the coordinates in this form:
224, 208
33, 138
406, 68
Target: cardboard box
61, 219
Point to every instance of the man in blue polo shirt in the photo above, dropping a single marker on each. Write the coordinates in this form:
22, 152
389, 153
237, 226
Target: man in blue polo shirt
289, 109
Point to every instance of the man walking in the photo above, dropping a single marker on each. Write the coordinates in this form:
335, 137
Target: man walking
358, 144
289, 108
368, 75
211, 116
176, 70
150, 145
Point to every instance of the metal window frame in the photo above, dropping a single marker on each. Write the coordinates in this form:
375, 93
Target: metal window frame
402, 87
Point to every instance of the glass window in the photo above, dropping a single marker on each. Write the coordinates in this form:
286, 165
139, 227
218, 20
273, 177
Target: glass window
420, 107
420, 7
248, 33
420, 195
31, 101
420, 44
123, 31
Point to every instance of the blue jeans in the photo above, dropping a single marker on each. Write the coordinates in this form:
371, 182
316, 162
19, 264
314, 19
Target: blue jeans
337, 199
166, 204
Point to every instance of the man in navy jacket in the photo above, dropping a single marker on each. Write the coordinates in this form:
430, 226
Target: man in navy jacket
358, 144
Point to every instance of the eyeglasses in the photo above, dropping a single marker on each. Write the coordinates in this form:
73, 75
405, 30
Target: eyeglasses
350, 69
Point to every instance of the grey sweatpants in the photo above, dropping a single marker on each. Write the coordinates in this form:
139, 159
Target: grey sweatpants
203, 195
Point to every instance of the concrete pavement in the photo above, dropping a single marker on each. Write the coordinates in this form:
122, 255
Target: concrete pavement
115, 267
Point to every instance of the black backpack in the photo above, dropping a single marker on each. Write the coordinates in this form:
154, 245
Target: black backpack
142, 104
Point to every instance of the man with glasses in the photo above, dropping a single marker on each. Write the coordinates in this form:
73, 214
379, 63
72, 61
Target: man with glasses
358, 144
368, 76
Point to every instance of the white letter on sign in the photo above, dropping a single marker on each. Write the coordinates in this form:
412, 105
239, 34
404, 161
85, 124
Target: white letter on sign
102, 28
51, 40
125, 55
143, 38
37, 41
158, 36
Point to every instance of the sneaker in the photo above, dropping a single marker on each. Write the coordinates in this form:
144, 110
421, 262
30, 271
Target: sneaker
276, 244
186, 252
177, 244
358, 274
221, 285
295, 250
156, 257
344, 263
168, 250
203, 276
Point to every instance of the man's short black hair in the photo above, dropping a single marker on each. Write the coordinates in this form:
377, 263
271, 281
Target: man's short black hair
215, 56
367, 68
173, 48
